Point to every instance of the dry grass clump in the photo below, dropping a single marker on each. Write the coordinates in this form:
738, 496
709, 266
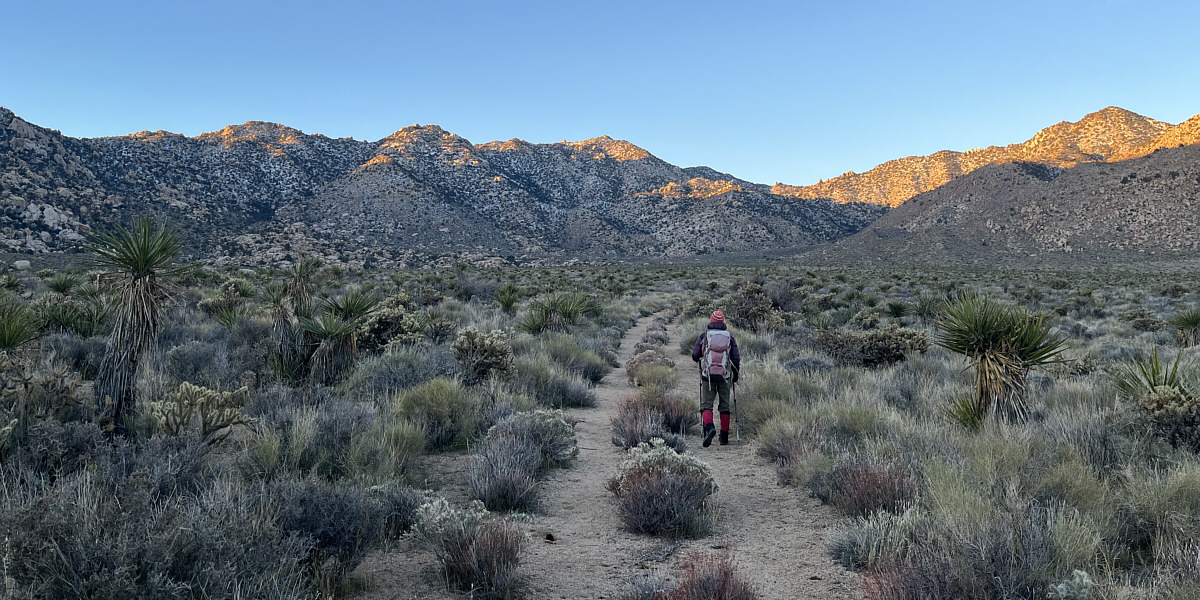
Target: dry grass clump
638, 422
704, 576
503, 471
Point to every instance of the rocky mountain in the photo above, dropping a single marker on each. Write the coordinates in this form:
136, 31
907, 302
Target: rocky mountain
1024, 214
1111, 134
266, 193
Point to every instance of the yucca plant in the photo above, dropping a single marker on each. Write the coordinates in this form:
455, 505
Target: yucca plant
1187, 324
1140, 378
300, 286
139, 264
9, 282
353, 308
507, 296
334, 351
1003, 343
927, 307
63, 283
898, 309
18, 325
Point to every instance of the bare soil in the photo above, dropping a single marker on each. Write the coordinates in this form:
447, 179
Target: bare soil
576, 548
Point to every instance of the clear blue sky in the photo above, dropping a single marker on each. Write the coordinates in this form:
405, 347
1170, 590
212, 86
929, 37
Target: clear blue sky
787, 91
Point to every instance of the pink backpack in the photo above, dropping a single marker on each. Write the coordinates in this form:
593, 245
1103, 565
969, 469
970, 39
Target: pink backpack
716, 353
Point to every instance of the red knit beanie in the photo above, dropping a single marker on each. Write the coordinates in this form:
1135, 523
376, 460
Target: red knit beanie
717, 317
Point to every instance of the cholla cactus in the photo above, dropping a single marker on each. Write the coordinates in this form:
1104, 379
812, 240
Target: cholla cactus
1075, 587
1174, 415
212, 413
484, 355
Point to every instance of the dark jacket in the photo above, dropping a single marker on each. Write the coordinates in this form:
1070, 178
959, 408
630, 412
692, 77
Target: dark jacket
698, 350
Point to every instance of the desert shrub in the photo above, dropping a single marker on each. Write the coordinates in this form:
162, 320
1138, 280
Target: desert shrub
637, 422
643, 360
390, 372
889, 345
706, 576
551, 385
878, 347
448, 412
868, 540
483, 355
860, 487
502, 472
687, 341
478, 552
662, 492
343, 522
76, 538
1158, 511
566, 351
679, 413
656, 380
781, 440
808, 365
1174, 290
309, 440
384, 452
82, 354
751, 308
547, 430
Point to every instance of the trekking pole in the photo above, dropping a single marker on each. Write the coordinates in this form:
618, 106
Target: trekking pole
737, 425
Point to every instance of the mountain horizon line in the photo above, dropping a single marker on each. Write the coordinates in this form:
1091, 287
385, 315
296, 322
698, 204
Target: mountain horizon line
252, 130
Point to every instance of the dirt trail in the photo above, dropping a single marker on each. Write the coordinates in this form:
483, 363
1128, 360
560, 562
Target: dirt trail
777, 534
577, 549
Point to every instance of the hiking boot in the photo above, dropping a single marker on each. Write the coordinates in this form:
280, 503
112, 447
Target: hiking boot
724, 438
709, 433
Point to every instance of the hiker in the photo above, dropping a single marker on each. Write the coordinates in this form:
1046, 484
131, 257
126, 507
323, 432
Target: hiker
717, 353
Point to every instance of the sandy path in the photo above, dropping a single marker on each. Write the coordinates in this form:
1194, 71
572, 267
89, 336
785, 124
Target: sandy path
777, 534
577, 549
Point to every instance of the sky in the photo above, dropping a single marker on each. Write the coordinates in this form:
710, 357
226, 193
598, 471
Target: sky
770, 92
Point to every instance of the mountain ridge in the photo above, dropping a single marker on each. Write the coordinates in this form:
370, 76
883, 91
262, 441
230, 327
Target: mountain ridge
264, 192
1107, 135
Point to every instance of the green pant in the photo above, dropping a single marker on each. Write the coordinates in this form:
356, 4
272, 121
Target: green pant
710, 389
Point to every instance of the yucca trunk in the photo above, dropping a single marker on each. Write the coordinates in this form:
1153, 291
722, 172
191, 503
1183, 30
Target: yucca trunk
136, 324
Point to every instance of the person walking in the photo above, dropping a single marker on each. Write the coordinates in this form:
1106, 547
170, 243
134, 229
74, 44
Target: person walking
717, 354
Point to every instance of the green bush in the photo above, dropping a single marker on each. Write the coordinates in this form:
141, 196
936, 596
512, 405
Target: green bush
566, 351
879, 347
643, 360
449, 413
552, 385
